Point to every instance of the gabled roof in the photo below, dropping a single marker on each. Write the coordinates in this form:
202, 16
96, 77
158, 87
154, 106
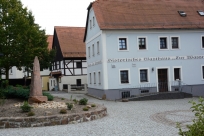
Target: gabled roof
49, 40
147, 14
71, 41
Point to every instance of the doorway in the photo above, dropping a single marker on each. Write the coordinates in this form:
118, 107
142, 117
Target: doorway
162, 80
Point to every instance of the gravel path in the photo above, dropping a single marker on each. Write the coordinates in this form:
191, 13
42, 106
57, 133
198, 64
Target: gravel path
139, 118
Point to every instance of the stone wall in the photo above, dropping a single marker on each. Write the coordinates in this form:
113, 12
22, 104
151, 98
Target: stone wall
62, 119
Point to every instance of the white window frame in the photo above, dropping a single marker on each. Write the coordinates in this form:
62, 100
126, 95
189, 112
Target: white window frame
128, 77
148, 76
93, 21
89, 51
98, 50
202, 42
99, 77
90, 23
179, 45
94, 77
146, 41
167, 42
202, 72
93, 52
90, 80
123, 37
179, 73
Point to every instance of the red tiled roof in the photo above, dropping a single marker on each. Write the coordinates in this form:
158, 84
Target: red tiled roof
71, 41
49, 40
148, 14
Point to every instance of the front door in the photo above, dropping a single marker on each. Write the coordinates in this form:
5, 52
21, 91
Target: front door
162, 80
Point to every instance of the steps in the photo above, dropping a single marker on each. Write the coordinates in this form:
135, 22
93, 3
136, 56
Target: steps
161, 96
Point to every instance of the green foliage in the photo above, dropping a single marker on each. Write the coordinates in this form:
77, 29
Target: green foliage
197, 128
85, 109
71, 97
21, 38
69, 106
15, 92
26, 107
63, 111
83, 101
93, 105
31, 113
62, 98
75, 101
49, 96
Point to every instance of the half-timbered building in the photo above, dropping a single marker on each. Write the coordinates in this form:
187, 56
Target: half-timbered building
69, 67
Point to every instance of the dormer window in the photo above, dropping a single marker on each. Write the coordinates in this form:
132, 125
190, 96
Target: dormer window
201, 13
182, 13
90, 24
93, 21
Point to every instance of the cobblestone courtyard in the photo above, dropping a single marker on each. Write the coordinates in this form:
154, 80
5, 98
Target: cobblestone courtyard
138, 118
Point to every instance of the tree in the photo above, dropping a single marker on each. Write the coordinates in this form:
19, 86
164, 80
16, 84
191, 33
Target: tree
21, 39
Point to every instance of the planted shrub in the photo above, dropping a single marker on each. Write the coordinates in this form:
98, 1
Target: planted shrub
31, 113
93, 105
49, 96
69, 106
197, 128
83, 101
85, 109
75, 101
63, 111
26, 107
15, 92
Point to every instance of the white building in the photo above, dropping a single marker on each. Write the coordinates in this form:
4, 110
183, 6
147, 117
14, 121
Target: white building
70, 67
136, 47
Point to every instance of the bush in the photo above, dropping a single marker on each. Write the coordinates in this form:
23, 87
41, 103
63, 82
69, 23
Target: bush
75, 101
197, 128
85, 109
31, 113
83, 101
26, 107
15, 92
93, 105
49, 96
69, 106
63, 111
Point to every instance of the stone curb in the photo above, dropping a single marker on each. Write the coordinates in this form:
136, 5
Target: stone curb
62, 119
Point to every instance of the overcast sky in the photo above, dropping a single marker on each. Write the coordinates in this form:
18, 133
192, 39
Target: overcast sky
50, 13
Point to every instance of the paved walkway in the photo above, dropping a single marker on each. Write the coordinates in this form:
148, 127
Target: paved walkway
138, 118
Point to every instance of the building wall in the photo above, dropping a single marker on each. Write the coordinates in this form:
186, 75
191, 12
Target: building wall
113, 60
45, 81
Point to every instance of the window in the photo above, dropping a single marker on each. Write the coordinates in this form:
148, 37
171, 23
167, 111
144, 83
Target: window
11, 71
78, 64
90, 78
142, 43
182, 13
143, 75
93, 49
94, 78
98, 50
203, 72
201, 13
93, 21
163, 43
90, 24
175, 42
122, 44
89, 51
202, 41
124, 76
177, 74
99, 78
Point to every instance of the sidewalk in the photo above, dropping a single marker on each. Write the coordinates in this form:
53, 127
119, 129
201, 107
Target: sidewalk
136, 118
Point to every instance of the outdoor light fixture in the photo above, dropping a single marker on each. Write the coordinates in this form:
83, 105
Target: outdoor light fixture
152, 69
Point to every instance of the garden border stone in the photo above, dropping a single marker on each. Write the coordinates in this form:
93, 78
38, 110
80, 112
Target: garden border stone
52, 120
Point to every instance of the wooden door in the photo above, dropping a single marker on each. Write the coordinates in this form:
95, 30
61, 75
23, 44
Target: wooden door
162, 80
